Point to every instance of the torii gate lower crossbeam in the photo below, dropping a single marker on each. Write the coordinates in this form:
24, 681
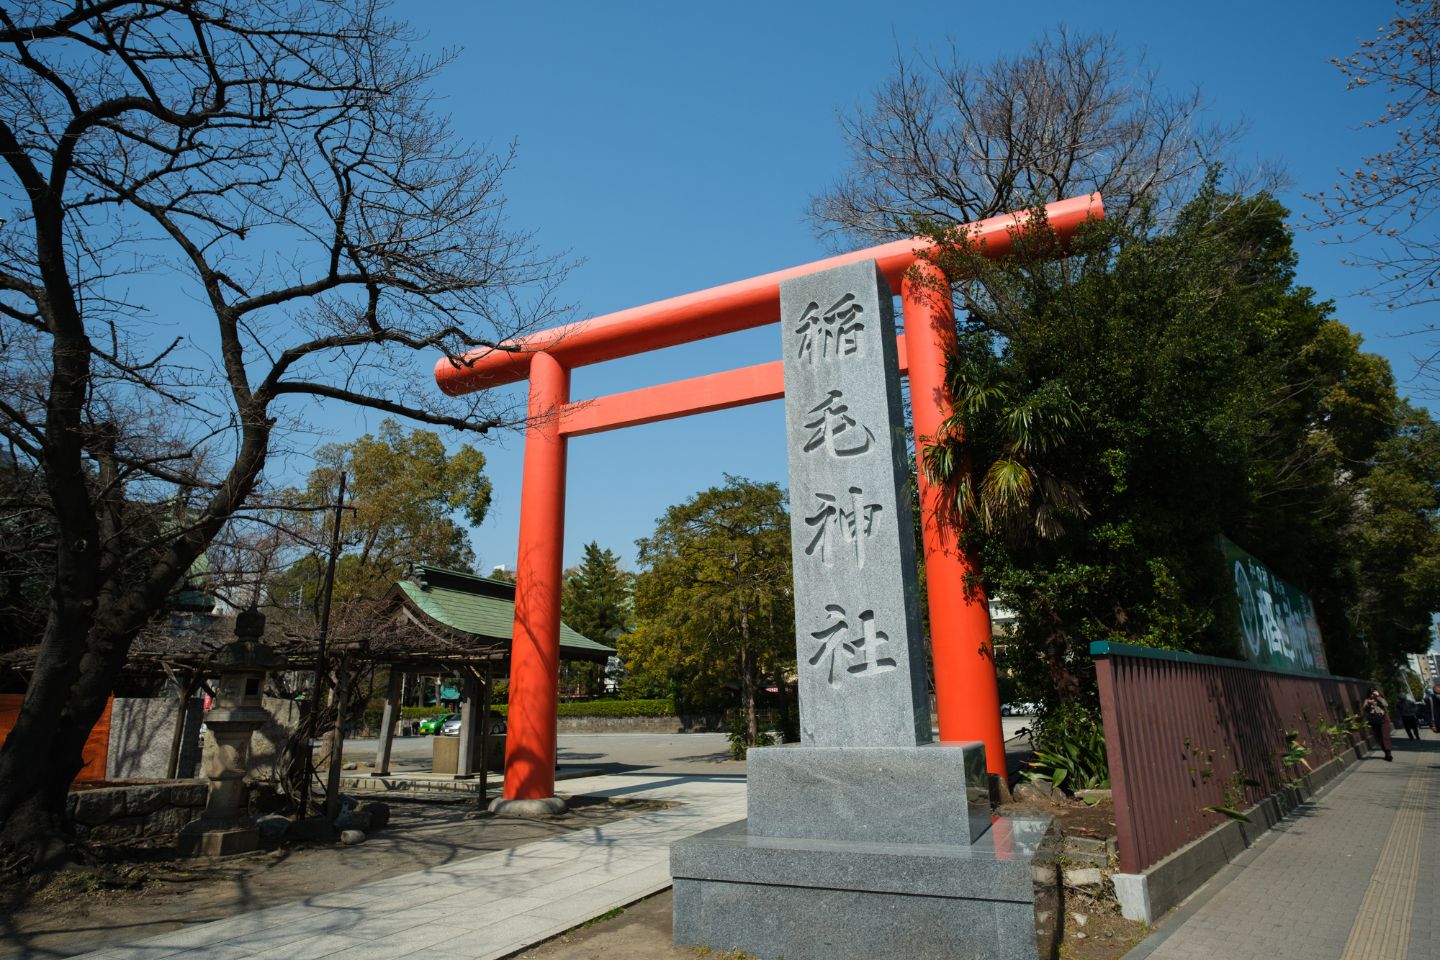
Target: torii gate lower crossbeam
965, 685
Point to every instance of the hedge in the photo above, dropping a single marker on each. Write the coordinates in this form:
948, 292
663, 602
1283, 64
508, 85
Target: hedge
619, 708
587, 708
606, 708
420, 713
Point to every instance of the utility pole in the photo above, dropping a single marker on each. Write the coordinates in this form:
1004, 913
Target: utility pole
317, 691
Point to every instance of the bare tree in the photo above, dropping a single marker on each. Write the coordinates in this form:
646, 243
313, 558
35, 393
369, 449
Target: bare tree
269, 176
948, 143
1392, 195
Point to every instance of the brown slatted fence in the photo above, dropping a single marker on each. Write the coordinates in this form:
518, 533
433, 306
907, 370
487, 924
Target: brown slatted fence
1180, 729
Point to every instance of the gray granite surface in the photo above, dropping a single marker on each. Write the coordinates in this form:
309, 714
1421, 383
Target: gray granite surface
861, 660
998, 867
935, 793
804, 899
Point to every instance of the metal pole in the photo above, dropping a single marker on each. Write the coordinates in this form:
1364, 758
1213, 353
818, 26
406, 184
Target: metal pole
317, 690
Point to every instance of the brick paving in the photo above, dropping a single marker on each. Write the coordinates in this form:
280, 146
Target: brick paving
1352, 876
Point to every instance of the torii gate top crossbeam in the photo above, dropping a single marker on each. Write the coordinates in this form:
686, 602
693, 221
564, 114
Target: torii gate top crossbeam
718, 310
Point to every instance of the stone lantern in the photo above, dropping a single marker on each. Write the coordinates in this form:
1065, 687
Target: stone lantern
223, 826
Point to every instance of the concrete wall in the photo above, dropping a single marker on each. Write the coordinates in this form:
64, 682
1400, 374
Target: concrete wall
141, 732
268, 743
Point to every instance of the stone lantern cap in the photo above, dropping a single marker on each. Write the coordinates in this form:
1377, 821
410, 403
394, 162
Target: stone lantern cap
247, 653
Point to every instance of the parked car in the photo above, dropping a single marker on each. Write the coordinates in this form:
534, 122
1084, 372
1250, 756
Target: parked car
433, 724
1017, 709
451, 727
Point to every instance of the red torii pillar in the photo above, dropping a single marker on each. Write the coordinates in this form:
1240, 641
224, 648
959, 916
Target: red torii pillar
965, 685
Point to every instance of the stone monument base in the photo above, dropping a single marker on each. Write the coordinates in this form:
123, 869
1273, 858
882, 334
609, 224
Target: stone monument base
833, 900
868, 852
528, 809
199, 838
935, 793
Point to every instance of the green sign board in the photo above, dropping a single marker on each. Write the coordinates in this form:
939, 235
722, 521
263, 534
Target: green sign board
1277, 621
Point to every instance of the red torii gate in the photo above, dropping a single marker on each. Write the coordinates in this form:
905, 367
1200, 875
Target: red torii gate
965, 687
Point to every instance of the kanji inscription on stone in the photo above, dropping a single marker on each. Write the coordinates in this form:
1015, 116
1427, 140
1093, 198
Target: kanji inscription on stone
858, 644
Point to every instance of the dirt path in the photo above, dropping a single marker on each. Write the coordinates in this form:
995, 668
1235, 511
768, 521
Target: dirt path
78, 912
641, 932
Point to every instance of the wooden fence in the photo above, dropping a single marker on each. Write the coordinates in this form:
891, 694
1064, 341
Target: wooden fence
1185, 732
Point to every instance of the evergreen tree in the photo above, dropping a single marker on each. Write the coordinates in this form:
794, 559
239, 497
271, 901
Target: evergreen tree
714, 603
594, 601
1123, 403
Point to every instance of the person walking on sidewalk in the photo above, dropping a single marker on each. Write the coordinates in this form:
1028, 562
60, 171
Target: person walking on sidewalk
1377, 713
1410, 716
1432, 703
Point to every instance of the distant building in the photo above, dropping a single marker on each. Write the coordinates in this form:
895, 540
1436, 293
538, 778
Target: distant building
1002, 623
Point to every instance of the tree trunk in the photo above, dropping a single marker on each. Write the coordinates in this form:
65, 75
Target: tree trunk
88, 632
747, 683
787, 722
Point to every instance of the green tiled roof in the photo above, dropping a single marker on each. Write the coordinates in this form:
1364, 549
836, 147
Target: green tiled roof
482, 607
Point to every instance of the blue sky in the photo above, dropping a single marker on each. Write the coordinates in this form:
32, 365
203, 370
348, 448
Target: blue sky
675, 147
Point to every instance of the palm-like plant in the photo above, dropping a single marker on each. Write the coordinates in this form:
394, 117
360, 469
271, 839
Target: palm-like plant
992, 453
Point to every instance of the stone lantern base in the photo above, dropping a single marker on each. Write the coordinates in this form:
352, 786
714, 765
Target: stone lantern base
201, 839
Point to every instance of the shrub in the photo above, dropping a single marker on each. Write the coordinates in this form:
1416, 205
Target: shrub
619, 708
582, 708
1070, 751
421, 713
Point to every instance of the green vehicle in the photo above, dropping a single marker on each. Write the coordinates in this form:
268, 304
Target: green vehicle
432, 725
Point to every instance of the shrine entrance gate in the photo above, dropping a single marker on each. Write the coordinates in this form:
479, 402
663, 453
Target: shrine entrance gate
965, 685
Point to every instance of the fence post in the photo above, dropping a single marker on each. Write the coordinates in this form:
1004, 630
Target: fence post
1125, 831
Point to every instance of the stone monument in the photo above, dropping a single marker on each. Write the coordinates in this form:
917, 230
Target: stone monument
223, 827
866, 839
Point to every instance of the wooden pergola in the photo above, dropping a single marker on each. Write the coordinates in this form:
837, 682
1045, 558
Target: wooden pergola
435, 621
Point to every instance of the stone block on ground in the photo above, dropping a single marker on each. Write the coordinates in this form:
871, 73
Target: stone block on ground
1083, 877
189, 794
313, 828
272, 828
353, 819
121, 828
146, 798
1037, 791
200, 839
379, 813
352, 837
94, 807
168, 820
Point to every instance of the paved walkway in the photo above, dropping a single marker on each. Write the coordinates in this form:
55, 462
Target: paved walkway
1352, 876
476, 909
